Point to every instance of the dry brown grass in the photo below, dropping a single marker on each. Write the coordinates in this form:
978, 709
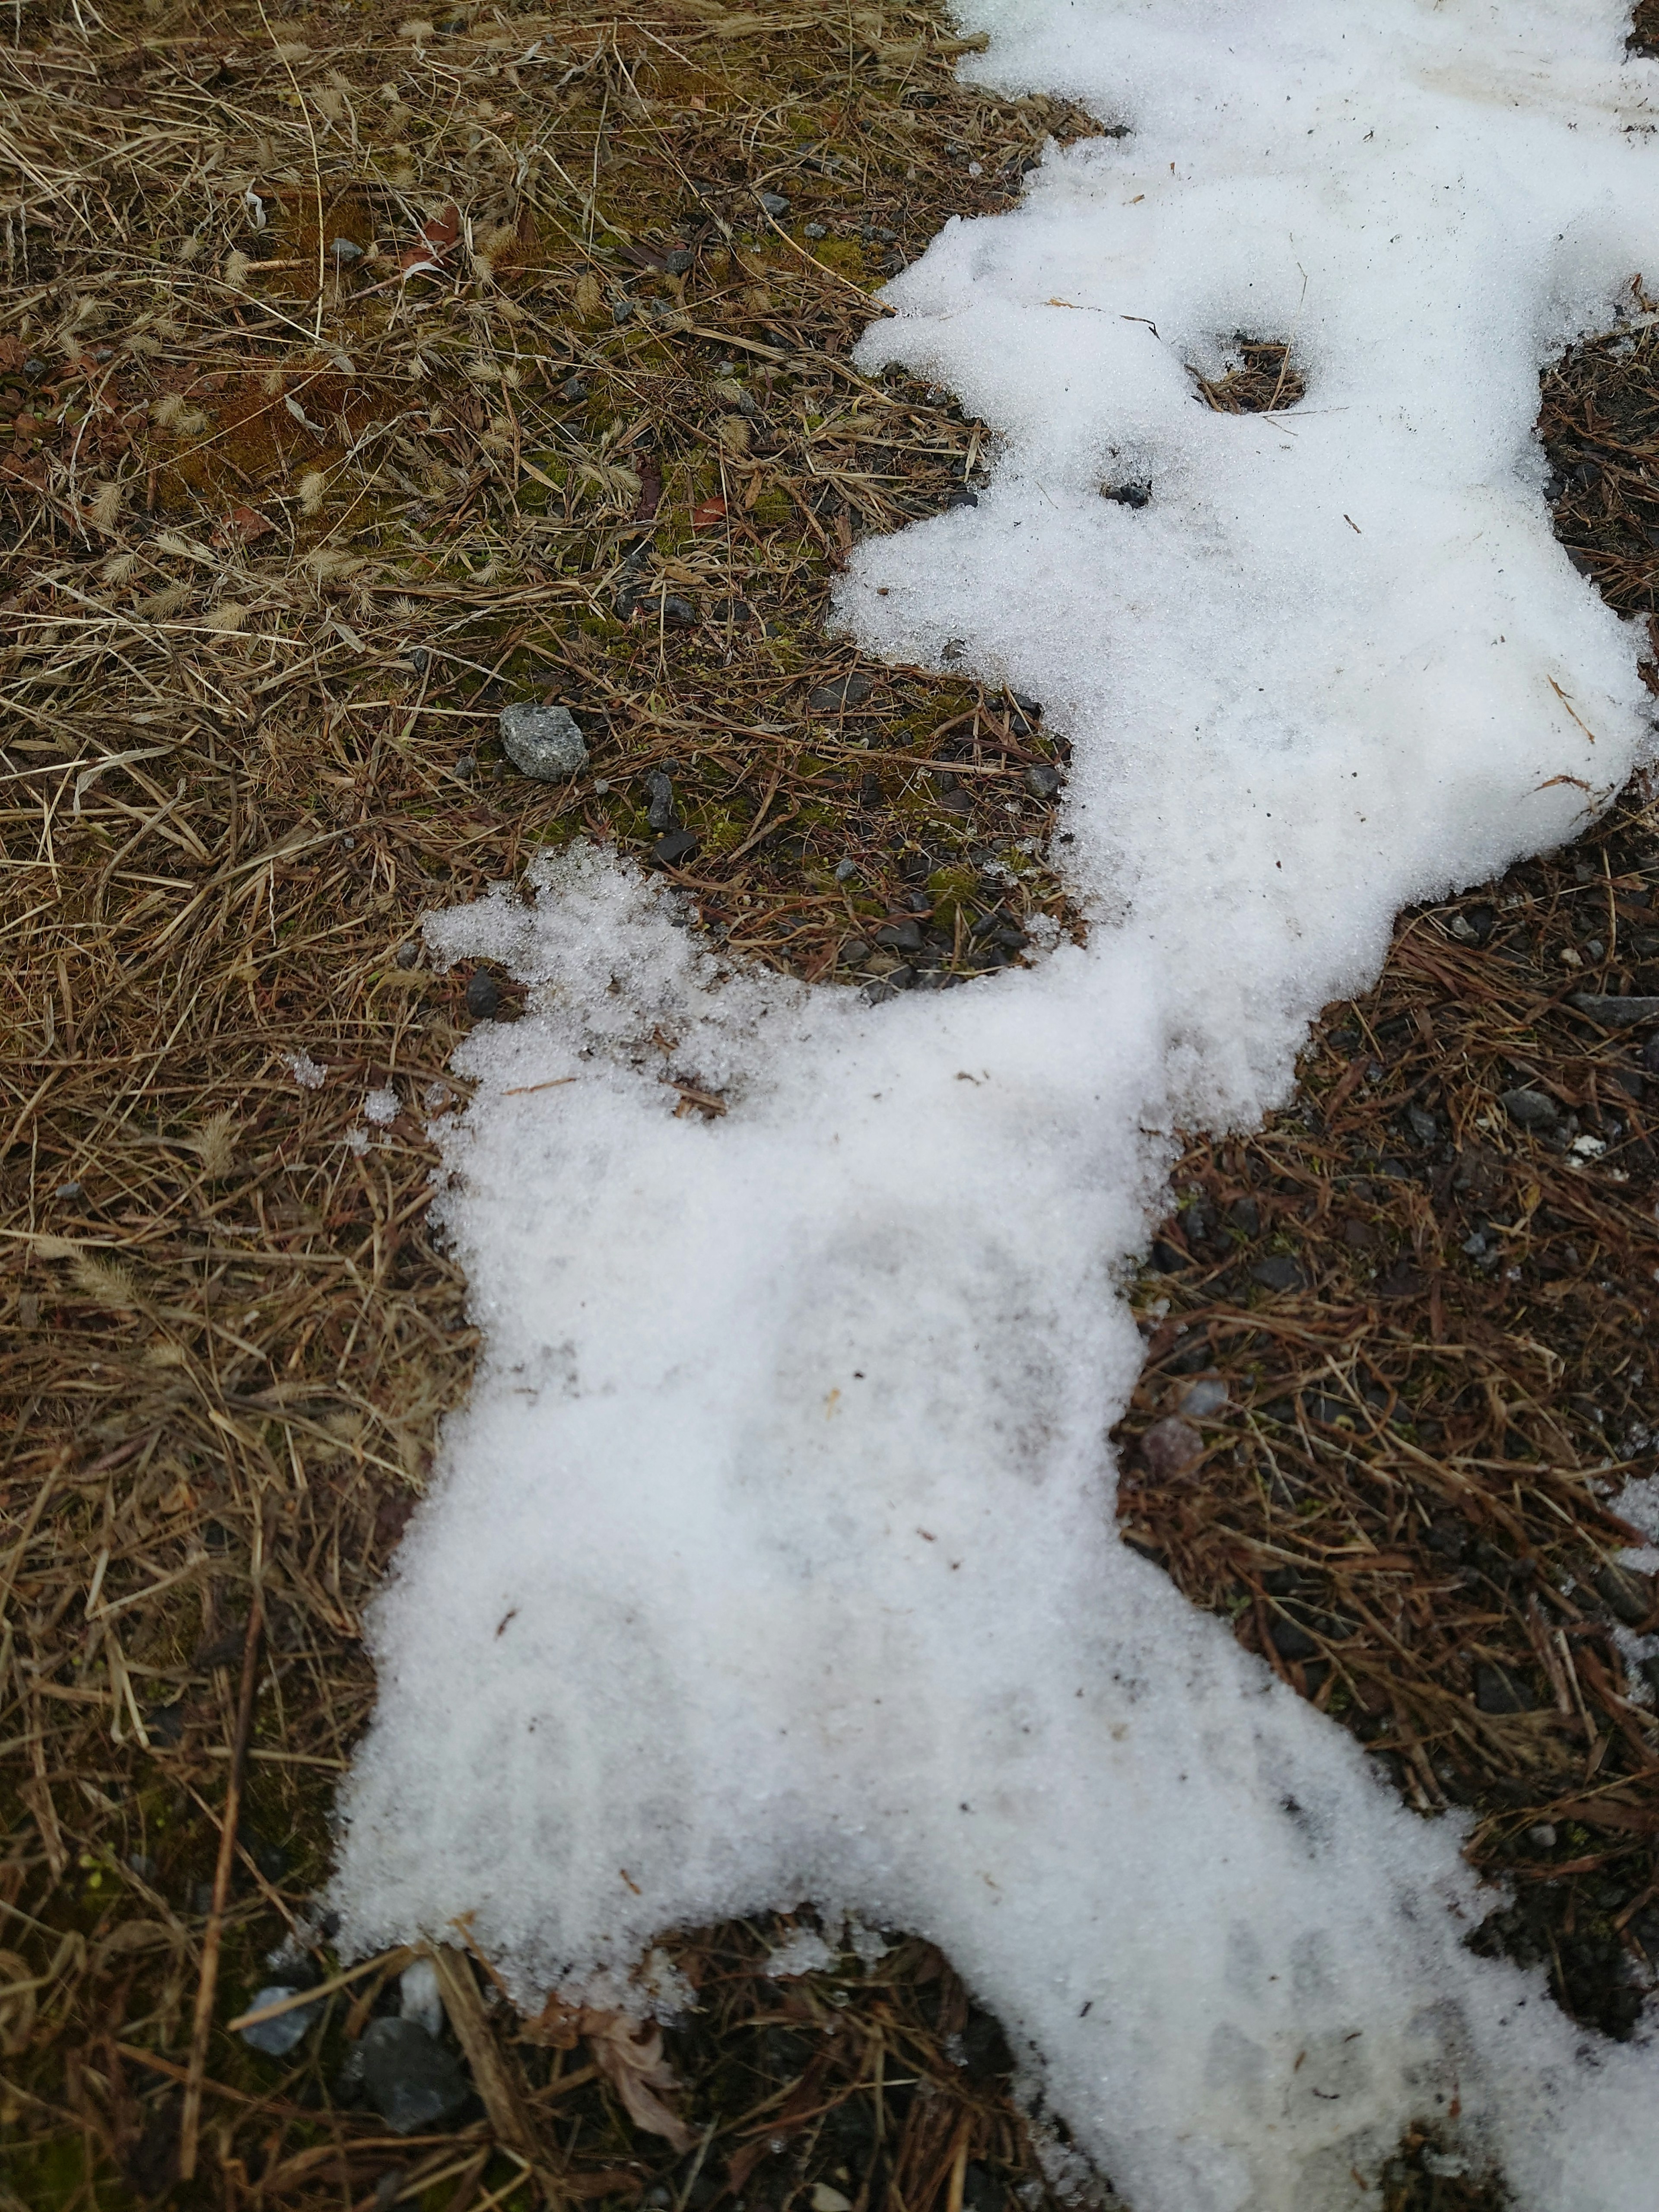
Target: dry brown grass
284, 526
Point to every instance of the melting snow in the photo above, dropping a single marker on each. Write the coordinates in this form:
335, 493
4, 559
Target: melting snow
773, 1558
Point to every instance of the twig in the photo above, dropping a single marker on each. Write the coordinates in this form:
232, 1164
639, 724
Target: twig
191, 2119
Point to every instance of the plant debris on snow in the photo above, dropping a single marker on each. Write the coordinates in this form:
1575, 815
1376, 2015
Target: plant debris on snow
363, 378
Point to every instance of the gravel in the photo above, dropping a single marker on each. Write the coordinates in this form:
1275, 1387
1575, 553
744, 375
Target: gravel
484, 996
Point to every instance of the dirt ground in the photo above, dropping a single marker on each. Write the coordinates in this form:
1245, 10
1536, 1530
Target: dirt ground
361, 375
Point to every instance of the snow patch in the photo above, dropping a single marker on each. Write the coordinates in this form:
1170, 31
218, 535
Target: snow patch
773, 1558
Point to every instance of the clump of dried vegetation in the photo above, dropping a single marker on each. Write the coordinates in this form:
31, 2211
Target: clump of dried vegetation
360, 374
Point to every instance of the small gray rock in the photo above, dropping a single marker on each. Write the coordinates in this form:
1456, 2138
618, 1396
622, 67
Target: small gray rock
1277, 1271
1200, 1399
775, 204
1498, 1691
1043, 781
1169, 1448
815, 230
1616, 1013
276, 2038
659, 813
836, 698
677, 261
412, 2082
1530, 1109
1623, 1591
899, 936
544, 741
345, 249
484, 996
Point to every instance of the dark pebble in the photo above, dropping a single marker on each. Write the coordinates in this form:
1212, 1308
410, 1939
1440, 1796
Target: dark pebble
1496, 1691
775, 204
1291, 1641
836, 698
1624, 1593
679, 261
484, 996
899, 936
963, 498
1423, 1126
1279, 1272
660, 811
412, 2082
573, 389
1530, 1109
854, 950
408, 955
1031, 706
1616, 1013
1129, 495
1043, 781
678, 845
1245, 1215
1168, 1259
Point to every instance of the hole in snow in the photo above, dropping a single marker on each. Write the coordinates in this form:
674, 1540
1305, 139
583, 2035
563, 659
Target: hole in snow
1262, 379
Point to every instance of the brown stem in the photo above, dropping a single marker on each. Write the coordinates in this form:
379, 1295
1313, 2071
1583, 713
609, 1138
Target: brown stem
189, 2123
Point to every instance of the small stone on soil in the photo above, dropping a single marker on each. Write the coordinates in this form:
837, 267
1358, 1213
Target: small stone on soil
1499, 1692
678, 845
544, 742
412, 2082
276, 2038
484, 996
1530, 1109
836, 698
1169, 1448
1042, 781
1203, 1397
901, 936
1279, 1272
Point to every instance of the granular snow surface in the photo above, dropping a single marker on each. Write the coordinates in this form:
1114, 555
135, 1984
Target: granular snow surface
774, 1557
